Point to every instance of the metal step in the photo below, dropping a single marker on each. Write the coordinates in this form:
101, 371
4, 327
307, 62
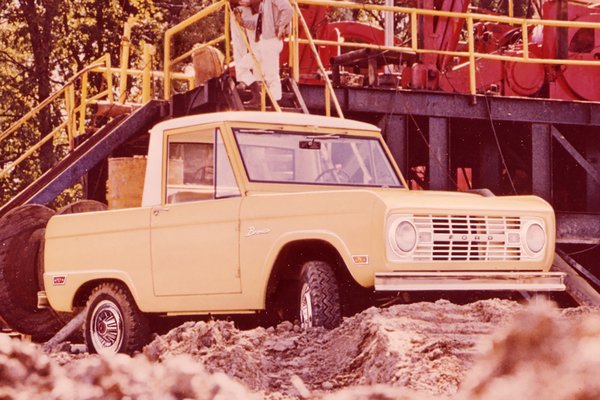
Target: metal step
291, 100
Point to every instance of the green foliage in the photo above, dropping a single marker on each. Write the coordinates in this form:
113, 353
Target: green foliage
42, 44
521, 8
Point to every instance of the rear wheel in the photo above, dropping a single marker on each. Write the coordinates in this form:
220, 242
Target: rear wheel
319, 302
113, 322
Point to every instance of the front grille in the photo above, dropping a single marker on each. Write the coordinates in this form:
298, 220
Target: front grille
467, 238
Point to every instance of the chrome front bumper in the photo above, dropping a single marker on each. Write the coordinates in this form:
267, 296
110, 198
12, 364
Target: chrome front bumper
464, 280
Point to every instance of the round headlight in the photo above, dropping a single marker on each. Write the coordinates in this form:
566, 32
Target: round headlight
535, 238
405, 236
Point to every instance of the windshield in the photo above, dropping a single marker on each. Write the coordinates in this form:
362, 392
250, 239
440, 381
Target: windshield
295, 157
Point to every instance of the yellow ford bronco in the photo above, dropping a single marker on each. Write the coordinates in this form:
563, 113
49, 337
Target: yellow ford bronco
288, 214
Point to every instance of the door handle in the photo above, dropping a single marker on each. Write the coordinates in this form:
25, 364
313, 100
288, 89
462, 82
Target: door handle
158, 210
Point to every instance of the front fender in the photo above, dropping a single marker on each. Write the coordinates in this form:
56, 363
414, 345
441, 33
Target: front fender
327, 237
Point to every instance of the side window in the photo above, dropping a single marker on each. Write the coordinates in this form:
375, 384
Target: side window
194, 159
226, 185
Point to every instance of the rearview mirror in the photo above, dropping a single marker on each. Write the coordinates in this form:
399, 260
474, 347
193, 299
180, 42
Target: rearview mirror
310, 144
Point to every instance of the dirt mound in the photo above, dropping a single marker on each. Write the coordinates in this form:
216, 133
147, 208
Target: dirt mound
490, 349
543, 353
426, 347
27, 373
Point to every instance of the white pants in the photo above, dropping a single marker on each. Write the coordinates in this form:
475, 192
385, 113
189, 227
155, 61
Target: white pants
243, 60
267, 52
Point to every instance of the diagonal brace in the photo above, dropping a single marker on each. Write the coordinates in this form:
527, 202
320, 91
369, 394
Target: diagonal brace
589, 168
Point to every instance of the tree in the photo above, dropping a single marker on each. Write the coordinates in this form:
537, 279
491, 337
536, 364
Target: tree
42, 44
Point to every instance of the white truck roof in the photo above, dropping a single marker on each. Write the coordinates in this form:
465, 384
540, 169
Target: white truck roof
263, 117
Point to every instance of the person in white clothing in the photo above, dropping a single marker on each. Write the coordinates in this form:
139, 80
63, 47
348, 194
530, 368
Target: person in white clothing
243, 21
273, 26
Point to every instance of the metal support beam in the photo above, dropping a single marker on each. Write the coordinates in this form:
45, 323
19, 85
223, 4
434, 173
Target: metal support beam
394, 131
488, 173
389, 29
580, 268
585, 164
439, 158
583, 228
541, 161
577, 287
592, 149
453, 105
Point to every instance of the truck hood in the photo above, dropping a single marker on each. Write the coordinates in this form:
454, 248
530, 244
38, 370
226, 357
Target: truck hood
460, 201
428, 200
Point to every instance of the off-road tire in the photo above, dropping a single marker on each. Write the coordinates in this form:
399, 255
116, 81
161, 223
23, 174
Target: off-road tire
82, 206
111, 311
318, 282
21, 261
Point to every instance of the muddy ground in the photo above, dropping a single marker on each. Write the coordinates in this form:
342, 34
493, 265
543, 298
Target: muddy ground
490, 349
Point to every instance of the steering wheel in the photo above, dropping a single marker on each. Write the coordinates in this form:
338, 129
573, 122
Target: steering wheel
341, 175
205, 174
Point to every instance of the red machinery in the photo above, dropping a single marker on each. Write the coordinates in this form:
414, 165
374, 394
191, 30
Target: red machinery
451, 74
568, 82
574, 82
321, 28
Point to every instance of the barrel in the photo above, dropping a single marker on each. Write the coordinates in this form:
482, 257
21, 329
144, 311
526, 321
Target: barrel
125, 182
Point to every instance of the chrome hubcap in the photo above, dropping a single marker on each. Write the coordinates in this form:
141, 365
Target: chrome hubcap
106, 327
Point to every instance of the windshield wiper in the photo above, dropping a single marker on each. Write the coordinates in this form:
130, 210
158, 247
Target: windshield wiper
322, 137
256, 131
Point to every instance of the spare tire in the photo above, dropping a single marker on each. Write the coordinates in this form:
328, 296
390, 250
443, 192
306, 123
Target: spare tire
82, 206
21, 235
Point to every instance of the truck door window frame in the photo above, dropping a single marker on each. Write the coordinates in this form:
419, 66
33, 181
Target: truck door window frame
193, 179
223, 173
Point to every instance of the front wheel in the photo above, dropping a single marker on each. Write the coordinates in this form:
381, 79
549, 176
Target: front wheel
319, 296
113, 323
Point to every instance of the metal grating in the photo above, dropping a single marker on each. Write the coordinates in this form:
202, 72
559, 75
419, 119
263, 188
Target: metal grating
468, 238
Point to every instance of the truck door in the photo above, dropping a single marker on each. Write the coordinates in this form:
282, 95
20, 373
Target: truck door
195, 233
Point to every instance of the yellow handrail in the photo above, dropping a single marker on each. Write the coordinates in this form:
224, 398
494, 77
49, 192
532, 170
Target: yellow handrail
125, 45
466, 54
149, 52
471, 54
72, 125
4, 172
190, 52
73, 98
13, 128
451, 14
472, 75
329, 86
176, 29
